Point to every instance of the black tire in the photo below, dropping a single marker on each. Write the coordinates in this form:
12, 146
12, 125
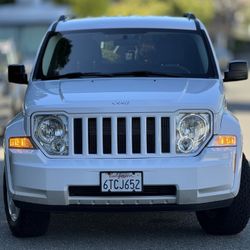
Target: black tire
28, 223
233, 219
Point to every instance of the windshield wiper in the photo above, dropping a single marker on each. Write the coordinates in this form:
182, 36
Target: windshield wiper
76, 75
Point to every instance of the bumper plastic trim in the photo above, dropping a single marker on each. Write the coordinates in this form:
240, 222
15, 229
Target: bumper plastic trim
124, 208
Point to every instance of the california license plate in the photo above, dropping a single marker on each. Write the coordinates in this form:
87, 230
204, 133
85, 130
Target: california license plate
121, 181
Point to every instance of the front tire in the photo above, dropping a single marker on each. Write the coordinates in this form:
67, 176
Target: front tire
22, 222
233, 219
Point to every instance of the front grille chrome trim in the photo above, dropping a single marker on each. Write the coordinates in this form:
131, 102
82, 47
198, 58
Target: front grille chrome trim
85, 136
114, 145
143, 136
99, 135
128, 136
126, 130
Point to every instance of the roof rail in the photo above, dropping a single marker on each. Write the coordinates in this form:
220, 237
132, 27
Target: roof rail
192, 16
189, 16
61, 18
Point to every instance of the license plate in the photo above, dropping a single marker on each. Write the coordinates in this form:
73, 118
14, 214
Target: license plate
121, 181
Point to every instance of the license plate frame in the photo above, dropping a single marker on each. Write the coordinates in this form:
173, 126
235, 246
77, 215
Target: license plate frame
126, 176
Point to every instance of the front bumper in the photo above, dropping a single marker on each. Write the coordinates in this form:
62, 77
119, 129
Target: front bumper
207, 178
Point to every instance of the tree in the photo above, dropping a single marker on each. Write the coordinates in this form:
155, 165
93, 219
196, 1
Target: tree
225, 19
204, 9
61, 1
138, 7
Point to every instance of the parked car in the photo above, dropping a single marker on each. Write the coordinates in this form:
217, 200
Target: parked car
126, 113
8, 55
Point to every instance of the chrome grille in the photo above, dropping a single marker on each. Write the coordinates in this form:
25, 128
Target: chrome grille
121, 135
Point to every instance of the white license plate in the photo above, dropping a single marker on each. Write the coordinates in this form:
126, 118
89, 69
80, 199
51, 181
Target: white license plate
121, 182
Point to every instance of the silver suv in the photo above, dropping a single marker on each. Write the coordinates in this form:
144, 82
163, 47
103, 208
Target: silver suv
126, 113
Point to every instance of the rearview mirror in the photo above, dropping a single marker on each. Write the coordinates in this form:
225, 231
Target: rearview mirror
237, 71
17, 74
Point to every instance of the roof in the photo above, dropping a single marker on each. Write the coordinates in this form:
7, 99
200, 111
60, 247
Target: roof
127, 22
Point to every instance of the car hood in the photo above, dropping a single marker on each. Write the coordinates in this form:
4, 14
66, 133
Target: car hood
102, 95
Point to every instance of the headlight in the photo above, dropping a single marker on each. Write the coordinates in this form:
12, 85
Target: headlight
50, 128
51, 132
192, 130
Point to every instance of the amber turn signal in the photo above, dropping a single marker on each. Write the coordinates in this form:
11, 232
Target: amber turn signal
20, 143
225, 140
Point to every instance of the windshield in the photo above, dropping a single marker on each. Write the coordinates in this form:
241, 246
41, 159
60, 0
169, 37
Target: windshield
126, 52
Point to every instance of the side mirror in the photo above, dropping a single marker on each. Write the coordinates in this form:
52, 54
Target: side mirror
17, 74
237, 71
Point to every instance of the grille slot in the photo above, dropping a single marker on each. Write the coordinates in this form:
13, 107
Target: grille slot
151, 135
92, 134
147, 191
165, 135
78, 136
107, 135
121, 136
136, 135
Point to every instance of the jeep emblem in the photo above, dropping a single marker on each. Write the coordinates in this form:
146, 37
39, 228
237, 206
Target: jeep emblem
120, 102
